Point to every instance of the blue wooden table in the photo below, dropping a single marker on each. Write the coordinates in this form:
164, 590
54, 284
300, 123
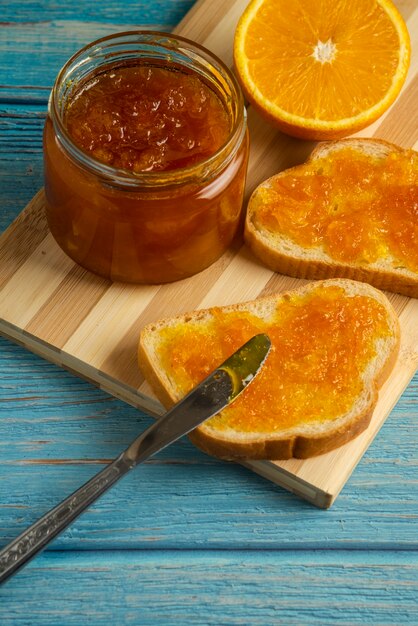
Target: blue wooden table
185, 539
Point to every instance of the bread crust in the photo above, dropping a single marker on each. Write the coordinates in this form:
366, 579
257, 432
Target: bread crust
316, 263
282, 445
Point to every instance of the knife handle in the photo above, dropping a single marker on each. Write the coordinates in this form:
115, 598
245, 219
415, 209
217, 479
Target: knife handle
36, 537
209, 397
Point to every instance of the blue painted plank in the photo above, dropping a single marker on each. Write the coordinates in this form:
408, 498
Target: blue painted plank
179, 504
128, 11
21, 164
148, 588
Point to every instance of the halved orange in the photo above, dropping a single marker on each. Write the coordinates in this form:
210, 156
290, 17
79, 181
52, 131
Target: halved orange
321, 69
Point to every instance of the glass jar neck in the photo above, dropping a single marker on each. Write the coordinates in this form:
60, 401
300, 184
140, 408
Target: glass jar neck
162, 50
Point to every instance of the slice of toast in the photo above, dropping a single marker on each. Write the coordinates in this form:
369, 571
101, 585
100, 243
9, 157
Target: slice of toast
350, 211
334, 342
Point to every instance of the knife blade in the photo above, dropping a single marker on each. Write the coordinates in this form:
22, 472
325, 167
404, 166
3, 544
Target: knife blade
215, 392
209, 397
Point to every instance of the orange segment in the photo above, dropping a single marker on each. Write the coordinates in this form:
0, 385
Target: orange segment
321, 69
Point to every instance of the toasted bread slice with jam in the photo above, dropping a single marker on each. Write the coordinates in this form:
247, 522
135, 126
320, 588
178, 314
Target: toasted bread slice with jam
334, 342
350, 211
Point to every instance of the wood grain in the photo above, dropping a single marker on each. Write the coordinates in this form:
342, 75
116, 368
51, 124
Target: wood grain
124, 590
42, 287
187, 540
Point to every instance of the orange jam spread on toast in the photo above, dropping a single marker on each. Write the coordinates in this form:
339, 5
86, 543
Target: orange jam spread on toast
321, 343
144, 118
357, 208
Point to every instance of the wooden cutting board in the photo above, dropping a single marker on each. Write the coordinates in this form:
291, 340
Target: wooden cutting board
91, 326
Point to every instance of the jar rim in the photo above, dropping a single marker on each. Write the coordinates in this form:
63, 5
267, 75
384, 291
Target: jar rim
206, 167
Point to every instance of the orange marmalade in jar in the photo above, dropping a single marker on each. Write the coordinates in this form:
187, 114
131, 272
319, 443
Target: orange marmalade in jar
145, 152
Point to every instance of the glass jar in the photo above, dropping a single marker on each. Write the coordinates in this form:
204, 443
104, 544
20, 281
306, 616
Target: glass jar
146, 227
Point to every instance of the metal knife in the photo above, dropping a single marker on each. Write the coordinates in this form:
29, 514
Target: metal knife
220, 388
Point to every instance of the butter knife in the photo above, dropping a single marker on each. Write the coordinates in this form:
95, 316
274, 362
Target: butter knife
220, 388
